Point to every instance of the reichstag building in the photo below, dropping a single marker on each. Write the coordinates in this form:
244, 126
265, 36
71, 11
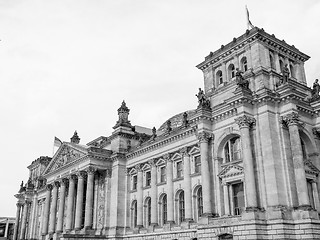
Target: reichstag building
243, 165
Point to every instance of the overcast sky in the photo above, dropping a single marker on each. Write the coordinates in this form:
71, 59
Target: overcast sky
67, 65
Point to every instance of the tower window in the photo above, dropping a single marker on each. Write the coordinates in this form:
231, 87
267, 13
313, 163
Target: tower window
219, 77
231, 71
244, 64
272, 62
197, 164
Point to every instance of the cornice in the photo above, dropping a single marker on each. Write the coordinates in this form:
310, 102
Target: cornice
255, 34
160, 143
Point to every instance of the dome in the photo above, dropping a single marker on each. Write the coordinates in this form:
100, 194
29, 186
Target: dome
176, 120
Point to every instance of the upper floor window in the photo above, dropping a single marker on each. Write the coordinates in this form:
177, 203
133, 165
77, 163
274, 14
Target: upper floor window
231, 71
244, 64
272, 64
219, 77
164, 209
292, 71
303, 148
232, 150
148, 178
197, 164
179, 169
281, 64
148, 211
134, 182
163, 174
238, 198
310, 192
134, 214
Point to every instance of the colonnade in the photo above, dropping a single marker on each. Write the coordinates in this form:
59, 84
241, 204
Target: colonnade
52, 221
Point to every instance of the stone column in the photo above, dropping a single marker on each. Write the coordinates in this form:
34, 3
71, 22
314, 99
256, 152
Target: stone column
61, 205
245, 123
89, 198
95, 204
187, 183
154, 193
139, 197
107, 182
226, 199
46, 211
204, 138
315, 195
69, 219
53, 210
16, 224
170, 200
24, 220
6, 229
79, 201
292, 121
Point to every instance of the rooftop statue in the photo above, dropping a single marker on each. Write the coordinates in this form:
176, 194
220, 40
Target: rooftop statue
315, 90
241, 82
285, 74
202, 99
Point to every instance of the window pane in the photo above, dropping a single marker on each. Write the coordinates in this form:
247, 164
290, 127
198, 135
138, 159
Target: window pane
197, 164
238, 198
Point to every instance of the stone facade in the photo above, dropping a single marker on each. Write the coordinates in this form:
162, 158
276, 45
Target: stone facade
243, 165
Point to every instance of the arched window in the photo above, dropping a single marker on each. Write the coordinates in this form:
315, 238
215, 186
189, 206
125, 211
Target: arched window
148, 211
219, 77
292, 71
303, 148
181, 207
281, 65
244, 64
134, 212
199, 202
232, 150
231, 71
272, 64
164, 209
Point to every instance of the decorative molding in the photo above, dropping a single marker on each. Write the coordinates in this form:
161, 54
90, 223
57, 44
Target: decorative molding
231, 171
291, 119
204, 136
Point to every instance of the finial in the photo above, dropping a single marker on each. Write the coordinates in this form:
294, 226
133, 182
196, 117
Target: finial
123, 113
75, 138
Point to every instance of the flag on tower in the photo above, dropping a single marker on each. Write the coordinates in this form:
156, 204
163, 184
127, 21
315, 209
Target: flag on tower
249, 24
57, 142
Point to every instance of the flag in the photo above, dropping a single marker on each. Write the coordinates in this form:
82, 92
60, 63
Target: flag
57, 142
249, 24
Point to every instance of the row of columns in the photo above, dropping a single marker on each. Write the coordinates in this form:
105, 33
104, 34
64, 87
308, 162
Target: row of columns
50, 209
204, 139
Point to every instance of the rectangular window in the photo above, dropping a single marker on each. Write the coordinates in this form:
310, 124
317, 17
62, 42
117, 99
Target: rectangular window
148, 178
163, 174
197, 164
179, 169
238, 198
310, 192
134, 182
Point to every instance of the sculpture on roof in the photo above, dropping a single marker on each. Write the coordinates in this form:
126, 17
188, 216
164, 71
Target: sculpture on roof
202, 99
241, 82
285, 74
185, 119
315, 90
75, 138
123, 113
154, 133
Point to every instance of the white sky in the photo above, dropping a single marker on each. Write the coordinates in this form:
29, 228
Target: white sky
67, 65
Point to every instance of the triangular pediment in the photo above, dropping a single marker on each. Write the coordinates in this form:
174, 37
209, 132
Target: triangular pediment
310, 168
176, 156
65, 155
231, 171
194, 150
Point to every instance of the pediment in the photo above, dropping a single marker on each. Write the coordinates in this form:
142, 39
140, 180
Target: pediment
310, 168
231, 171
194, 150
65, 155
176, 156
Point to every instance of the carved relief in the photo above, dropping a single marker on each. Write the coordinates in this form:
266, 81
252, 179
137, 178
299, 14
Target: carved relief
204, 136
291, 118
66, 156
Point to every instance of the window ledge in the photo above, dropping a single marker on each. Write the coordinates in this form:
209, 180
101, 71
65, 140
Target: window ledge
195, 174
132, 191
230, 163
146, 187
177, 179
161, 183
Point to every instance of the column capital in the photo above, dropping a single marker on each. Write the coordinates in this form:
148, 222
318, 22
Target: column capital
90, 170
108, 173
49, 187
316, 132
56, 184
81, 174
167, 157
19, 204
245, 121
183, 151
64, 181
71, 177
291, 119
152, 162
204, 136
138, 167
